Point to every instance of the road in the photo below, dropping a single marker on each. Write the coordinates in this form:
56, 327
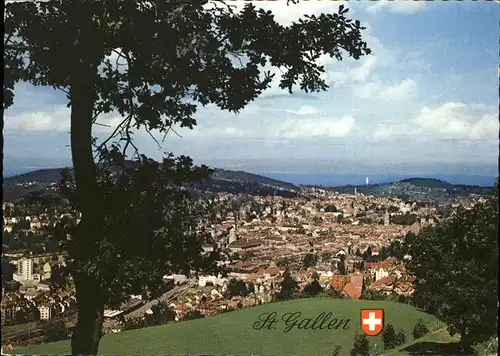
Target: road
168, 296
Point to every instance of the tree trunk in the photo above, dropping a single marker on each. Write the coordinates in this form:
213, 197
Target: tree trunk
465, 340
90, 303
88, 331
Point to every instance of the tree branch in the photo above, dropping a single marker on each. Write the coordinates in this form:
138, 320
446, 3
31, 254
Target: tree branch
115, 131
104, 125
120, 54
62, 89
154, 138
170, 128
129, 141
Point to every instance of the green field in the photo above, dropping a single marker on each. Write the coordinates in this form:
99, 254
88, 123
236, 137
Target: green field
439, 342
232, 333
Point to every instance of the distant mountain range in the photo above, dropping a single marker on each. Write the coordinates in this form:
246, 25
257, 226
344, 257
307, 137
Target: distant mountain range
341, 178
221, 181
417, 189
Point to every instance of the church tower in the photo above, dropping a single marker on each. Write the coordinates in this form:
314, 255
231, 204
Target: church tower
232, 235
387, 220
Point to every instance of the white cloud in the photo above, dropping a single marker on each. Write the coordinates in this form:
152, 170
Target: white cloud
367, 90
213, 132
317, 127
37, 121
455, 121
391, 131
300, 126
397, 7
459, 121
366, 68
336, 80
306, 110
404, 90
55, 120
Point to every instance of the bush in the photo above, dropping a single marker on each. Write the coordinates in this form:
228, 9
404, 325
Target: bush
389, 337
336, 350
420, 329
400, 338
313, 289
370, 294
134, 323
193, 314
361, 346
56, 332
330, 293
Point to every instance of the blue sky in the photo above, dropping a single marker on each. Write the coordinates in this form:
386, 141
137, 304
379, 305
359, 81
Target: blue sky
427, 96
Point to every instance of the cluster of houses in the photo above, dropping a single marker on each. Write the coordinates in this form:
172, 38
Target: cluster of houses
264, 234
387, 277
36, 304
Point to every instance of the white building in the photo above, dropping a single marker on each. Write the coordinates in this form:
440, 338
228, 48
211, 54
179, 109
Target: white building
380, 273
25, 269
47, 271
215, 281
232, 235
45, 312
177, 278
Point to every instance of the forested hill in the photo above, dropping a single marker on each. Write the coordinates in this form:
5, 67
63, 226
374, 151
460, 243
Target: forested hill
415, 189
48, 175
221, 181
243, 177
427, 183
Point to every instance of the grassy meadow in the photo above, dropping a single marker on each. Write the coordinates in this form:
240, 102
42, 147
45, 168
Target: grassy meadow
233, 333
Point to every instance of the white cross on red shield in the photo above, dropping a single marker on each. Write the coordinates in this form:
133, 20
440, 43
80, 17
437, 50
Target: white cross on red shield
372, 321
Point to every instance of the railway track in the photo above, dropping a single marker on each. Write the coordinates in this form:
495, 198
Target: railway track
36, 331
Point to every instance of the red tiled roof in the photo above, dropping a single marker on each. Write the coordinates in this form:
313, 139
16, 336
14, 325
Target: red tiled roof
339, 281
400, 268
384, 281
273, 271
352, 291
381, 264
357, 281
404, 287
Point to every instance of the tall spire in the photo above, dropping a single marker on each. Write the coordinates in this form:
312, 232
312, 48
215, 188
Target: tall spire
386, 218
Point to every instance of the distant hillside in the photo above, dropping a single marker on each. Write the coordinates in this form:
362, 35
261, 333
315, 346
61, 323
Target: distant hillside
221, 181
415, 189
244, 177
427, 183
234, 333
41, 175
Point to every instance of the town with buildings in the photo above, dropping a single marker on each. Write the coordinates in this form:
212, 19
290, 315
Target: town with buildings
344, 241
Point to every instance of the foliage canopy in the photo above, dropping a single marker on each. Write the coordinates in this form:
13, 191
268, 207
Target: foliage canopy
456, 265
169, 57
